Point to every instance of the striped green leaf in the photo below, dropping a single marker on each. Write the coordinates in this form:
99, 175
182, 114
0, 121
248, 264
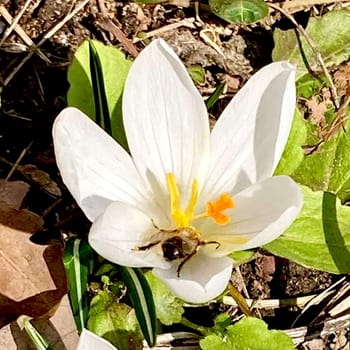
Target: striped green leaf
96, 77
141, 297
39, 342
77, 261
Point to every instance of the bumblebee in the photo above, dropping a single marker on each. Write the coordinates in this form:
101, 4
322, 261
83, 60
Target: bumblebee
177, 244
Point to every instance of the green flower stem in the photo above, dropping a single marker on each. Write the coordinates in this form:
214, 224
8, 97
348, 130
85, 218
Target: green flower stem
201, 329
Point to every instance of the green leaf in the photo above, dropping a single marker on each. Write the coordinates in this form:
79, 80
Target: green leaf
141, 298
114, 67
307, 86
239, 11
331, 39
320, 236
221, 322
102, 116
215, 96
293, 153
77, 262
197, 73
328, 168
242, 256
114, 321
248, 334
169, 308
37, 339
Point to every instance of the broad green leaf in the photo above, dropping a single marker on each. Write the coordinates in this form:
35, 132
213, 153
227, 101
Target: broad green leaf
307, 86
141, 298
293, 153
332, 40
77, 262
320, 236
114, 67
114, 321
328, 167
248, 334
169, 308
239, 11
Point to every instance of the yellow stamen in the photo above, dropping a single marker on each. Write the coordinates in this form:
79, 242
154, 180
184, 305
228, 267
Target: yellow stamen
181, 217
193, 200
215, 209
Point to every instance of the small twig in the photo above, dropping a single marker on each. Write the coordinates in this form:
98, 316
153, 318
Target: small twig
294, 6
48, 35
108, 25
240, 300
14, 21
15, 165
22, 34
186, 22
313, 46
271, 303
50, 207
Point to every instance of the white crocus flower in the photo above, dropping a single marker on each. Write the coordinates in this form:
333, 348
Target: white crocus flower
91, 341
185, 198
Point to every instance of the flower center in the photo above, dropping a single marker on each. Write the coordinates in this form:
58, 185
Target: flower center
183, 218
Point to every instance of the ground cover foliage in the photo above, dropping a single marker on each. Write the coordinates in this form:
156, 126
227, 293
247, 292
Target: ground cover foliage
221, 53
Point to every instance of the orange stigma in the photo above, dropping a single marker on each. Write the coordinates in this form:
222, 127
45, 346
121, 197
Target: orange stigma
215, 209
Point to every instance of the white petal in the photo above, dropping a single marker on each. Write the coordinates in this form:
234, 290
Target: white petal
91, 341
262, 213
93, 166
201, 279
165, 119
249, 137
117, 233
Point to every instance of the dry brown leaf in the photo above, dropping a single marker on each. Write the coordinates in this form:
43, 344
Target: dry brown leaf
32, 278
342, 78
59, 331
13, 192
40, 177
23, 220
317, 110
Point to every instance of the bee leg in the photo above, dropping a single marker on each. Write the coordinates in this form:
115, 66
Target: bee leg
218, 245
154, 225
147, 246
162, 229
184, 261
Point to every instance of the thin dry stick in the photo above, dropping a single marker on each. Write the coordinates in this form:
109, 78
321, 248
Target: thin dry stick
318, 55
244, 288
187, 22
14, 22
14, 166
299, 4
48, 35
109, 26
21, 33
